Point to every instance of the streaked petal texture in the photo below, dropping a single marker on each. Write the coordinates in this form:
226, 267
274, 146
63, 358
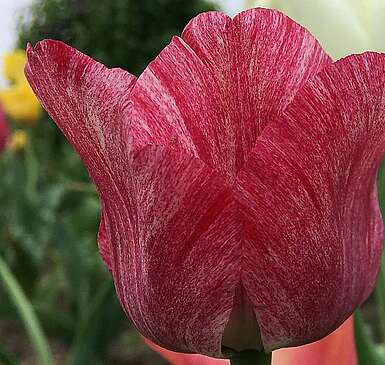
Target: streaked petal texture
236, 176
90, 104
308, 194
175, 267
345, 30
168, 221
229, 79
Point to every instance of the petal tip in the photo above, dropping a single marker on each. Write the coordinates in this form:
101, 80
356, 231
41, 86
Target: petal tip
29, 49
258, 11
34, 51
206, 18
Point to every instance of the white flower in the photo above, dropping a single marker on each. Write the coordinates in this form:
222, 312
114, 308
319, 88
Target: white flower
341, 26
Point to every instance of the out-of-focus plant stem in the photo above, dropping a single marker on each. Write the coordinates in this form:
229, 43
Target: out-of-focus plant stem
379, 294
27, 314
32, 171
81, 345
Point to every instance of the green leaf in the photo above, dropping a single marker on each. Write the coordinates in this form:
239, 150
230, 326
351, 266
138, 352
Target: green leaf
27, 315
102, 325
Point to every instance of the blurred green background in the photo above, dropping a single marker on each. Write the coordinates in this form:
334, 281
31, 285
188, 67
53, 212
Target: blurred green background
49, 210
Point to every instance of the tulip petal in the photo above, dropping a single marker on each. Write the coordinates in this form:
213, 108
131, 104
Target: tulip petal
212, 92
159, 248
336, 349
89, 103
105, 248
343, 32
313, 230
176, 358
175, 268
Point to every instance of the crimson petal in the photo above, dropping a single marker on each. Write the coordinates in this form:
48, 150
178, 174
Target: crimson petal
90, 104
167, 222
175, 269
74, 89
212, 92
308, 197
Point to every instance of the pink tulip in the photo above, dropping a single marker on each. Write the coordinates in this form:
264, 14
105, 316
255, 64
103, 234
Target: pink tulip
237, 179
336, 349
3, 131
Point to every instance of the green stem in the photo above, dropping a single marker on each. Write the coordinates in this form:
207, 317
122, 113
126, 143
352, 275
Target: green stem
251, 357
83, 346
27, 314
379, 293
32, 169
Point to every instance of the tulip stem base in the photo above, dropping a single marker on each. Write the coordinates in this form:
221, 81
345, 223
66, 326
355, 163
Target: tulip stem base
250, 357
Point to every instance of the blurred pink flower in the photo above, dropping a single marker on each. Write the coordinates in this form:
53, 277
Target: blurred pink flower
336, 349
237, 178
3, 130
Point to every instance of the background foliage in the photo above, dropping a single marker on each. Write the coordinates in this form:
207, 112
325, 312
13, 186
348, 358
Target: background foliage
48, 251
119, 33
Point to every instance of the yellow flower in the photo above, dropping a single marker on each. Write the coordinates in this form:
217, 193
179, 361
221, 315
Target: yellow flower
20, 103
342, 26
18, 100
18, 141
14, 65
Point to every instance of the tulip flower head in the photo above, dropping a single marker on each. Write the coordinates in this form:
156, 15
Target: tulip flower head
18, 99
237, 179
3, 131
